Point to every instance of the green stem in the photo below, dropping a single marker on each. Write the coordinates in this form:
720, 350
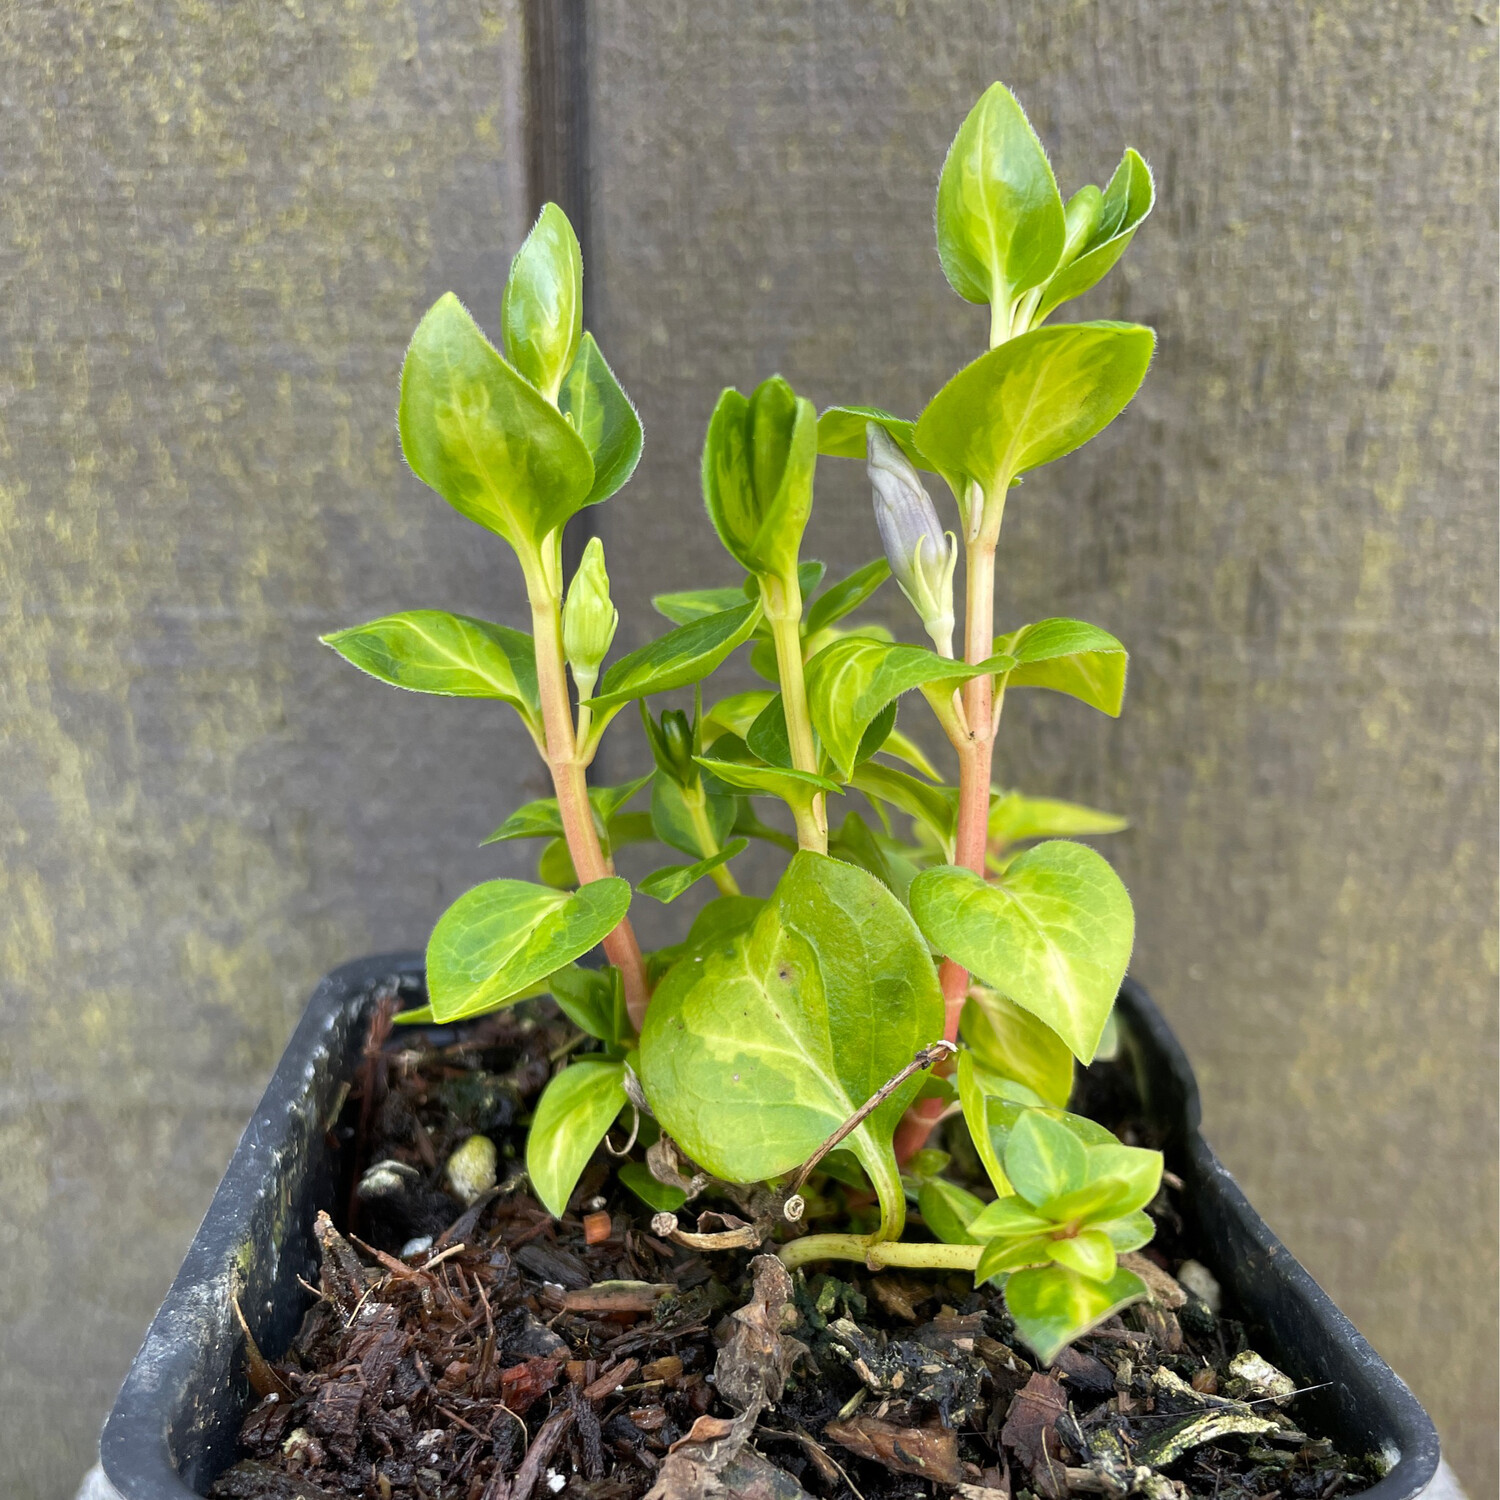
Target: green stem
783, 605
877, 1255
544, 589
697, 805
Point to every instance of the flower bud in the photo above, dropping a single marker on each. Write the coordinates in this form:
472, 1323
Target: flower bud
672, 744
589, 619
921, 554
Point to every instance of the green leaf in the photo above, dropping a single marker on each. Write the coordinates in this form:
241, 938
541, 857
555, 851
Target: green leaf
948, 1210
850, 681
1053, 934
542, 310
1069, 657
1004, 1113
1130, 1232
431, 651
696, 604
975, 1105
602, 415
748, 823
668, 883
935, 807
1015, 1044
1053, 1306
859, 844
593, 1000
541, 819
1009, 1218
754, 1056
902, 747
660, 1196
487, 441
572, 1116
1000, 221
1001, 1257
1044, 1159
846, 596
758, 461
678, 659
768, 781
1135, 1170
1126, 203
841, 433
504, 935
735, 714
1034, 399
768, 736
672, 817
1015, 818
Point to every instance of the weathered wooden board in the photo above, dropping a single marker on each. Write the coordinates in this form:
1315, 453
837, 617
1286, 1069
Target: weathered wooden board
1293, 529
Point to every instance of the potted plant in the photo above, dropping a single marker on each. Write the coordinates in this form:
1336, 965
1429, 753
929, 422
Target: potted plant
934, 953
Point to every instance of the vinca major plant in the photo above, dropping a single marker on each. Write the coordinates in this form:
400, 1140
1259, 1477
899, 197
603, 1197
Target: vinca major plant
932, 948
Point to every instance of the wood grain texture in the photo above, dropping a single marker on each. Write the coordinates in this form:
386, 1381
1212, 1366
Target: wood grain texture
219, 227
1293, 529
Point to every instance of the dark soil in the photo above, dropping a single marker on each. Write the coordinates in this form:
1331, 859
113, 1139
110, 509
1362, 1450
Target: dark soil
505, 1356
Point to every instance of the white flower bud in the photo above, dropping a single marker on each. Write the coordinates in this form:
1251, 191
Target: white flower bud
921, 553
589, 619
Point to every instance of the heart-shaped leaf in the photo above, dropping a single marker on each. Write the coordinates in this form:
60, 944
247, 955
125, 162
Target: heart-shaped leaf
1015, 818
1069, 657
850, 681
1052, 1305
541, 312
484, 438
572, 1116
542, 819
1000, 222
1126, 202
601, 414
668, 883
846, 596
753, 1055
431, 651
504, 935
1015, 1044
1034, 399
1053, 934
678, 659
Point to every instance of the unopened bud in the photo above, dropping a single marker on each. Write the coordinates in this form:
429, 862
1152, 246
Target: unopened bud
921, 553
1081, 218
589, 619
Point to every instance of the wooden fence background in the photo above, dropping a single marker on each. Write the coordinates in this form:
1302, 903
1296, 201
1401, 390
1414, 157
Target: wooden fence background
219, 227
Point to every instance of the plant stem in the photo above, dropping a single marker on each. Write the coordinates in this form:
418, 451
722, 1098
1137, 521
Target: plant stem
878, 1254
544, 588
783, 605
976, 752
696, 801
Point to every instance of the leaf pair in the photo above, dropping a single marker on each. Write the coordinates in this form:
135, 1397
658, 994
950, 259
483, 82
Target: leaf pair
1003, 231
519, 446
758, 461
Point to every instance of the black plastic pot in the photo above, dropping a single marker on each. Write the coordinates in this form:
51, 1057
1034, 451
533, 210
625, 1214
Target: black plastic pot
174, 1423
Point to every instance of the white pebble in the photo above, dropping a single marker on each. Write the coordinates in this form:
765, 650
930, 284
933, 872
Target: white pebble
1202, 1283
555, 1481
419, 1246
471, 1169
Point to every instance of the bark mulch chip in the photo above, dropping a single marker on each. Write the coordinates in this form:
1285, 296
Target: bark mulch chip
489, 1353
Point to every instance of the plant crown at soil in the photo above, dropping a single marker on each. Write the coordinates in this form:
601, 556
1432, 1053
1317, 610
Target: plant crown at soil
776, 1023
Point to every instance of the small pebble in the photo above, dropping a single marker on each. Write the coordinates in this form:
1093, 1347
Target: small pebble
471, 1169
1202, 1283
387, 1179
555, 1481
1261, 1377
419, 1246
